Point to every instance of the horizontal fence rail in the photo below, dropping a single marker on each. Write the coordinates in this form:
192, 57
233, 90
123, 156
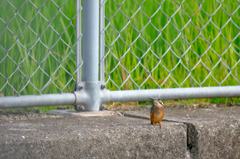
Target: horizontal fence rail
120, 96
38, 100
175, 93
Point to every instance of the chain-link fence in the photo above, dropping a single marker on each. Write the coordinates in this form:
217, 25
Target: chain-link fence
171, 43
128, 44
38, 46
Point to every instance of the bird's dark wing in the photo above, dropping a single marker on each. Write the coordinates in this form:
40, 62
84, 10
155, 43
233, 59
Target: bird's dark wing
151, 109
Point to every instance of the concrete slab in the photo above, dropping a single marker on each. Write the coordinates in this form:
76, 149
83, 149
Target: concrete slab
72, 112
212, 133
91, 137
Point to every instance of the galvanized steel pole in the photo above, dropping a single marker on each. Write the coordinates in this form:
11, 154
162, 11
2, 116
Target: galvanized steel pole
173, 93
106, 96
37, 100
90, 40
90, 84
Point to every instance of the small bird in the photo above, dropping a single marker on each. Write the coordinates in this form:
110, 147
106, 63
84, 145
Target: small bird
156, 111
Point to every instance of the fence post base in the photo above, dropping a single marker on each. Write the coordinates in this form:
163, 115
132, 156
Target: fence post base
89, 96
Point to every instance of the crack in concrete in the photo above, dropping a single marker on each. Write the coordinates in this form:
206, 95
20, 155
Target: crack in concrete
192, 135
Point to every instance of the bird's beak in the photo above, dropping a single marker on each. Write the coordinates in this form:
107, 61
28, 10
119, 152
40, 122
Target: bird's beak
151, 98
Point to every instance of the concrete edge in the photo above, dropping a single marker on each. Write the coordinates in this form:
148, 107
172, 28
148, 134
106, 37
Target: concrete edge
192, 140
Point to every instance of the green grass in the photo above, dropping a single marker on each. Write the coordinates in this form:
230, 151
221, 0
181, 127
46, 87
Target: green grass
38, 56
130, 51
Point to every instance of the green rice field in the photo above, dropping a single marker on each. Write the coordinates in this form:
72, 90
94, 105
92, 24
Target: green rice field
149, 45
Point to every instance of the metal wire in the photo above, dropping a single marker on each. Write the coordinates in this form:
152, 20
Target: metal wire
38, 46
177, 34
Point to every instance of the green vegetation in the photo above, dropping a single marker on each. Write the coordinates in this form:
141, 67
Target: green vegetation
49, 70
189, 48
41, 65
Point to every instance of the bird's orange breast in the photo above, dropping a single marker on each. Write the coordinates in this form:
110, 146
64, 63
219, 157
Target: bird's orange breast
156, 117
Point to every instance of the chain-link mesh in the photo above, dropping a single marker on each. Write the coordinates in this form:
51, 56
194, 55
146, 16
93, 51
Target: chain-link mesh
148, 44
171, 43
37, 46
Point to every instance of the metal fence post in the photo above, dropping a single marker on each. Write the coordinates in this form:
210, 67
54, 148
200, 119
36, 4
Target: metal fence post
90, 87
90, 40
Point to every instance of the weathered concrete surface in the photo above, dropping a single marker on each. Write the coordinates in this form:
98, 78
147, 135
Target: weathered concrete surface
212, 133
72, 112
91, 137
